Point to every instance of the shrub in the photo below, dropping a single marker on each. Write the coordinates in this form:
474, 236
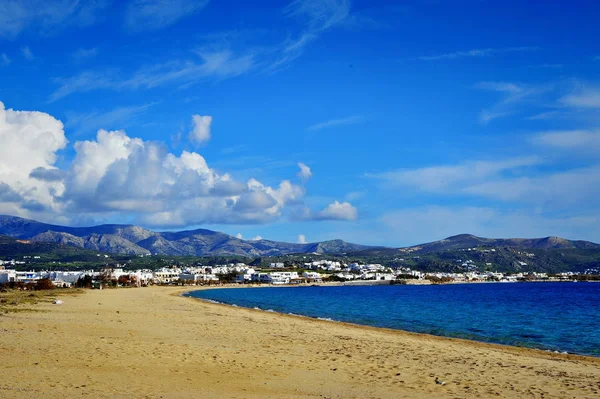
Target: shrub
43, 284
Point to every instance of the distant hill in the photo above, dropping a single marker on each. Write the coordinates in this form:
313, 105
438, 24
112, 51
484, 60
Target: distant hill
466, 241
135, 240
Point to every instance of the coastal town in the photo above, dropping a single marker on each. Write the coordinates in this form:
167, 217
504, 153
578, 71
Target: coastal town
315, 272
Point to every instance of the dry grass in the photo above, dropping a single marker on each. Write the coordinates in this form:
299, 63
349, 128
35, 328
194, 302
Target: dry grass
14, 300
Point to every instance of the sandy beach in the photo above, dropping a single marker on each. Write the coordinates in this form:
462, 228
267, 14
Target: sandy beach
153, 343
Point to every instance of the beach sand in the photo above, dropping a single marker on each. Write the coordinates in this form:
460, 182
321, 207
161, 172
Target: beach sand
152, 343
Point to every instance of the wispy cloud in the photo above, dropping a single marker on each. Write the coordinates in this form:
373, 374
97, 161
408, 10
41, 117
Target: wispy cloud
444, 178
4, 59
84, 82
46, 16
579, 140
217, 65
26, 51
117, 118
482, 52
317, 16
351, 120
84, 53
147, 15
584, 96
217, 60
513, 95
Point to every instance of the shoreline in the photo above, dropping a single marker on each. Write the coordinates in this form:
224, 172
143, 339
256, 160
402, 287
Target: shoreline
151, 343
568, 355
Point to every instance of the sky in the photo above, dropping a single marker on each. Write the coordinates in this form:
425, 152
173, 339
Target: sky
378, 122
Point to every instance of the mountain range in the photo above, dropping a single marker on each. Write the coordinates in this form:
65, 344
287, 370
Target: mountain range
135, 240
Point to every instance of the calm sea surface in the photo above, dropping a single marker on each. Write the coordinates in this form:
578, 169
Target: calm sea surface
552, 316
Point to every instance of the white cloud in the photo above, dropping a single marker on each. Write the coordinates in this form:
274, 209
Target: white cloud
116, 173
118, 177
337, 211
26, 51
301, 239
239, 236
201, 129
82, 83
218, 65
514, 95
256, 238
561, 190
581, 140
30, 141
215, 61
318, 16
120, 117
305, 172
524, 181
45, 16
351, 120
583, 97
147, 15
445, 178
483, 52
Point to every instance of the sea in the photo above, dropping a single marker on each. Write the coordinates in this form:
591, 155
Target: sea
560, 317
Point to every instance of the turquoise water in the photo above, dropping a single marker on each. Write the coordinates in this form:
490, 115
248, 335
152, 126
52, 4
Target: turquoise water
561, 317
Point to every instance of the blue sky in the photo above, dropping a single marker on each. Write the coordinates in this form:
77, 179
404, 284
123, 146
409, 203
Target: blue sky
378, 122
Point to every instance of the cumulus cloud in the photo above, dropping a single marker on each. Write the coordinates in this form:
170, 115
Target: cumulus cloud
256, 238
338, 211
201, 128
305, 172
117, 173
30, 141
239, 236
301, 239
115, 176
47, 174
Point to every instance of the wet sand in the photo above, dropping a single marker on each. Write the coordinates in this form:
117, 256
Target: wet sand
153, 343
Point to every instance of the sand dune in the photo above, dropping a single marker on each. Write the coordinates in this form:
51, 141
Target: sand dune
149, 343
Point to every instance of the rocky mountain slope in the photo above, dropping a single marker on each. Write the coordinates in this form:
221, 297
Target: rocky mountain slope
134, 240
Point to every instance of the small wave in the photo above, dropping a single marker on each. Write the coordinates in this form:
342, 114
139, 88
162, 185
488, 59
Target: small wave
234, 305
270, 310
325, 319
212, 301
256, 308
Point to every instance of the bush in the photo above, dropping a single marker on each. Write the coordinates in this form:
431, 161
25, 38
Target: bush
43, 284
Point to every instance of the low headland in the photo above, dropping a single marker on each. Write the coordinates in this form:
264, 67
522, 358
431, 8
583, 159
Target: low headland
152, 342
